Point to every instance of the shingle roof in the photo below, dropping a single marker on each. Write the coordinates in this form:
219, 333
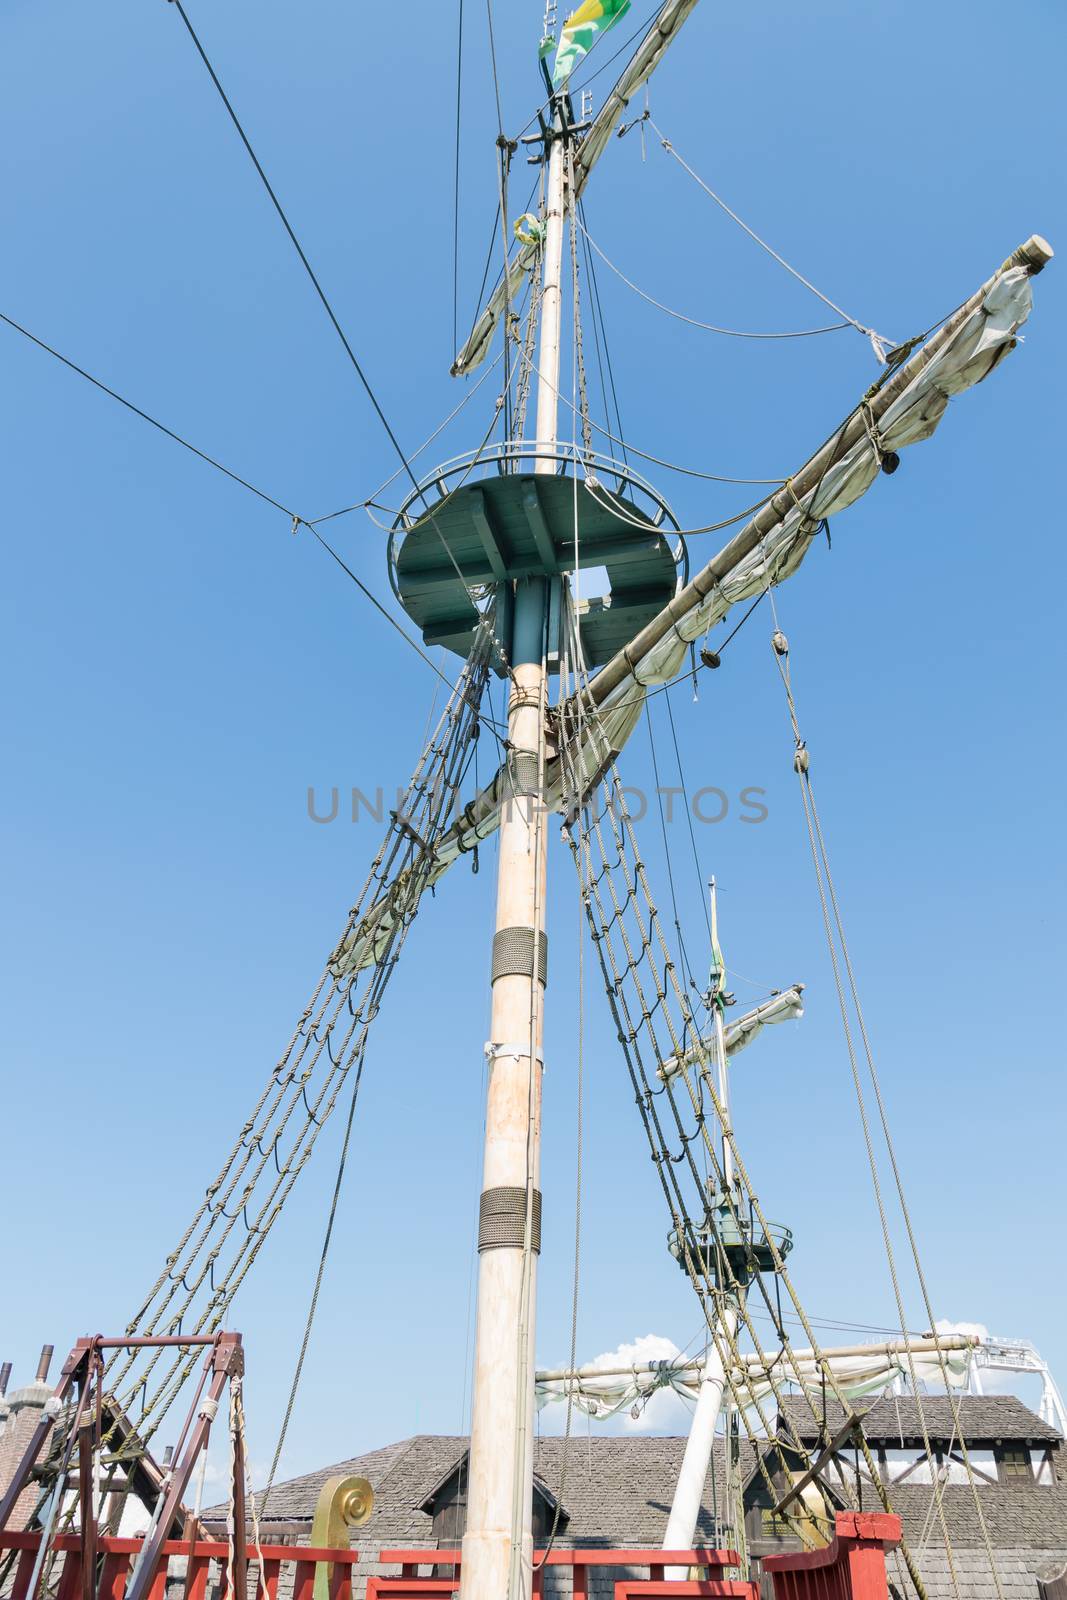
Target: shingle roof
983, 1418
617, 1491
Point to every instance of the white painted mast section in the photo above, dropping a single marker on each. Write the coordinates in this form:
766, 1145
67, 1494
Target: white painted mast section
689, 1490
551, 310
718, 985
498, 1542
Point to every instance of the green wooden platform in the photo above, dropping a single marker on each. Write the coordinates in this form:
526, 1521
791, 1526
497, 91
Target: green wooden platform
519, 525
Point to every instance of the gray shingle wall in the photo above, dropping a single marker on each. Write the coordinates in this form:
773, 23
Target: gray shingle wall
1017, 1569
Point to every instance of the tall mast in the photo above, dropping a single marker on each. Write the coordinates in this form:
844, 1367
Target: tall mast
689, 1490
718, 989
498, 1542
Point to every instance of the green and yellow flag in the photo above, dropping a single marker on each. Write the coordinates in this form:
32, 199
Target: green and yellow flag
581, 31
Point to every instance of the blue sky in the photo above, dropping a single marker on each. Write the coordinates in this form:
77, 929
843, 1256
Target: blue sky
180, 669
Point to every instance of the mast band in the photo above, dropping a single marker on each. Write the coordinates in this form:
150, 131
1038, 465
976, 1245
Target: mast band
502, 1219
513, 954
523, 773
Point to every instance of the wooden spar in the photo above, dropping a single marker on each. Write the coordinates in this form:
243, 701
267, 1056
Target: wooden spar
661, 33
753, 1363
827, 1453
1035, 254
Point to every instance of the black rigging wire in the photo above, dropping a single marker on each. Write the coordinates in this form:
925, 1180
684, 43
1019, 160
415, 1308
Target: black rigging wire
235, 477
489, 256
492, 58
362, 587
687, 965
598, 310
394, 441
327, 307
689, 817
455, 186
113, 395
316, 1291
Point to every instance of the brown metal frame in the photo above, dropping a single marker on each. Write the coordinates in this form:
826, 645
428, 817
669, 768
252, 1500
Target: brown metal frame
95, 1413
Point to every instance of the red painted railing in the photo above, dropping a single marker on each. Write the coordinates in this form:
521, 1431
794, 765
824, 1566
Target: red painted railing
410, 1585
851, 1568
118, 1555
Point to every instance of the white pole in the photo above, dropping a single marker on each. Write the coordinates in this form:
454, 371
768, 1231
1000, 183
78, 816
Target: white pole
718, 973
754, 1363
498, 1544
689, 1490
551, 309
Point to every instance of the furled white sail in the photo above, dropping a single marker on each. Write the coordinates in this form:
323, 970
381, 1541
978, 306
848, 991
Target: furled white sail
605, 1394
638, 70
985, 336
737, 1034
768, 550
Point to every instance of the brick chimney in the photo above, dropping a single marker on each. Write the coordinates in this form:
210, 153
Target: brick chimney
20, 1412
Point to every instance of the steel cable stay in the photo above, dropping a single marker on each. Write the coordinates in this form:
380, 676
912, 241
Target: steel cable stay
295, 519
378, 872
660, 461
880, 345
608, 390
400, 872
293, 1171
332, 315
838, 950
634, 1021
694, 322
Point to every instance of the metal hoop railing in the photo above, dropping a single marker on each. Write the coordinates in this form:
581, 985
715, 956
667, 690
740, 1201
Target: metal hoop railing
516, 456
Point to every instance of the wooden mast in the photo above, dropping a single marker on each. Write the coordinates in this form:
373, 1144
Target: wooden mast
498, 1542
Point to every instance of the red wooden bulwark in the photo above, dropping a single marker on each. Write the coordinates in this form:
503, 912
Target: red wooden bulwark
851, 1568
409, 1585
118, 1557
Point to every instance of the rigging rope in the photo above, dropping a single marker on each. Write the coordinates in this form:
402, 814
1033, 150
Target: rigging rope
455, 185
694, 322
828, 901
568, 602
608, 393
671, 466
254, 1169
314, 1302
603, 923
328, 308
361, 505
638, 1011
297, 246
879, 344
295, 519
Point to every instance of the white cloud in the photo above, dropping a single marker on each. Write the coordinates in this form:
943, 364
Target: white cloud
979, 1329
666, 1412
